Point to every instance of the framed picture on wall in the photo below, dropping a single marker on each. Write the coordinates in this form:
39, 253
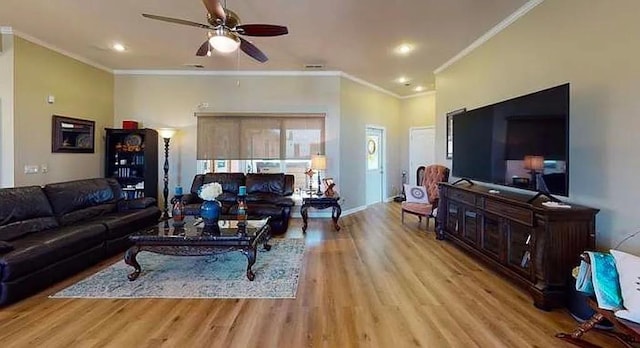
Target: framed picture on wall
72, 135
449, 140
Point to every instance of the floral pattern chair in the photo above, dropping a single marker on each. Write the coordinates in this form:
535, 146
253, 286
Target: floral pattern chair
432, 176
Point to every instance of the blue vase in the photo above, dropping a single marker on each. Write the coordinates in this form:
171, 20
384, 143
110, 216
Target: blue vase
210, 213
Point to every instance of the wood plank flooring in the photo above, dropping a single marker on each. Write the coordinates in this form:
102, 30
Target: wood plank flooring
376, 283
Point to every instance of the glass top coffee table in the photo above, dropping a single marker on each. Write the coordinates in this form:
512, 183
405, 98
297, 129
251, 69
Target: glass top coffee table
192, 240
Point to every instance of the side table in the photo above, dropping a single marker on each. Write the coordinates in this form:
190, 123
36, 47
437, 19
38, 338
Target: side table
320, 202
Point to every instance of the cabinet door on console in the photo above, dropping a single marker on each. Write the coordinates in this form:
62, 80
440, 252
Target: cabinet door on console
471, 224
453, 218
518, 247
492, 240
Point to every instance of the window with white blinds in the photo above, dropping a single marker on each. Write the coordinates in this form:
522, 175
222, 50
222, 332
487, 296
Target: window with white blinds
267, 137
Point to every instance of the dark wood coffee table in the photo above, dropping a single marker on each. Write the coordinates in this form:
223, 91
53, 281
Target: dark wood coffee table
191, 240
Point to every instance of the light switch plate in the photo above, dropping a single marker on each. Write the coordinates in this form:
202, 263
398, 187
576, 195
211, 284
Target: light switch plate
31, 169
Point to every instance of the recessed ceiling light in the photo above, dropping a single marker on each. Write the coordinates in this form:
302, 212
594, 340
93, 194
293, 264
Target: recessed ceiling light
402, 79
419, 89
118, 47
404, 49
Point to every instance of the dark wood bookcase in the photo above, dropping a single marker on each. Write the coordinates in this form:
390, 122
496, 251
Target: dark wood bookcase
533, 245
132, 158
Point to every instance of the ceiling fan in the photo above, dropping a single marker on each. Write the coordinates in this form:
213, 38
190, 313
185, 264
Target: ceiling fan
225, 30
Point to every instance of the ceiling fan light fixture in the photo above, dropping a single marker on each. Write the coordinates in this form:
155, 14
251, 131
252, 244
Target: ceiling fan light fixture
224, 41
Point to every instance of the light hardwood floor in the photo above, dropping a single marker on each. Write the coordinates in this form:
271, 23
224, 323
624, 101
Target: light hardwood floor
376, 283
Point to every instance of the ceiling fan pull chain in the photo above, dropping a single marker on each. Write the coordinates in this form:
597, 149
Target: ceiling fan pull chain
237, 66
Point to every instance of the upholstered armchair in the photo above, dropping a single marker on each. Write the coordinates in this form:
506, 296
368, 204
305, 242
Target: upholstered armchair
433, 174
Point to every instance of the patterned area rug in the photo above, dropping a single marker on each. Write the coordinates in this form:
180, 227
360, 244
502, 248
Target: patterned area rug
218, 276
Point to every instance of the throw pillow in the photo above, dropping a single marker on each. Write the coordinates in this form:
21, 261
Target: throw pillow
416, 194
629, 273
5, 247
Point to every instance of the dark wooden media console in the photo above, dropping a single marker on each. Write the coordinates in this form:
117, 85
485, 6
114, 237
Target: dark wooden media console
533, 245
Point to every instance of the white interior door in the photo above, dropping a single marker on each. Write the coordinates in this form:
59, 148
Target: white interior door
422, 143
375, 160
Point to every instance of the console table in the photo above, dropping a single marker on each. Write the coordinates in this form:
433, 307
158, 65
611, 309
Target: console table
320, 202
531, 244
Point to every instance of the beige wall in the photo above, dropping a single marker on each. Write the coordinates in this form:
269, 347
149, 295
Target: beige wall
171, 100
418, 111
594, 46
80, 91
361, 106
6, 111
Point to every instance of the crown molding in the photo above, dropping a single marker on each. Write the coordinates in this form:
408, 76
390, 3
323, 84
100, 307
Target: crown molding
61, 51
177, 72
369, 84
491, 33
6, 30
421, 94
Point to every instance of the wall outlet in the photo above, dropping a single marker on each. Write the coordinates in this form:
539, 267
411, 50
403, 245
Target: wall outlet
31, 169
44, 168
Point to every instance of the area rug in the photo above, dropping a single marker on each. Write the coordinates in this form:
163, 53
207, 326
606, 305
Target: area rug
217, 276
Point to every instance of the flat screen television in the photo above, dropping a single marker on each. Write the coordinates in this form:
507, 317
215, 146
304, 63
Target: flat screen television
521, 142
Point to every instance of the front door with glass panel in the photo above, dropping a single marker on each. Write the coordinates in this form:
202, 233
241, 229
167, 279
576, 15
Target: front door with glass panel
374, 159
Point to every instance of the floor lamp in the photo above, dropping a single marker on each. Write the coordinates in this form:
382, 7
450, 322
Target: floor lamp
166, 134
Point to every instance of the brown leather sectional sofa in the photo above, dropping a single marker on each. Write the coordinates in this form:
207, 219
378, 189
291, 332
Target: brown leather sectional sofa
48, 233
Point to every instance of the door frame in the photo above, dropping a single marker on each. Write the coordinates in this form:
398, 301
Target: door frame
411, 172
383, 129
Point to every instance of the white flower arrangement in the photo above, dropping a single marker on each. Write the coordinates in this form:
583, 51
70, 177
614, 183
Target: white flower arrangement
210, 192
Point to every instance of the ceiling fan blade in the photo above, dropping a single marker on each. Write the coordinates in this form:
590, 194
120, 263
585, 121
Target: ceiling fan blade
177, 21
262, 30
203, 50
215, 9
253, 51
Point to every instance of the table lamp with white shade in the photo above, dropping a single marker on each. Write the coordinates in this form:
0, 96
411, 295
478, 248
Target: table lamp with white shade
318, 163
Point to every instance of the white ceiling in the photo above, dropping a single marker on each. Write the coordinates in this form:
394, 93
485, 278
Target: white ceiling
353, 36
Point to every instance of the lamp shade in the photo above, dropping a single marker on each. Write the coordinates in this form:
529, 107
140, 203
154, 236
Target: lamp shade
319, 162
166, 133
535, 163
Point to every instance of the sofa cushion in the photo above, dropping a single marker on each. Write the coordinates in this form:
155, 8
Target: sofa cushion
196, 184
259, 210
126, 222
265, 183
227, 197
263, 197
139, 203
38, 250
24, 210
230, 182
628, 267
80, 200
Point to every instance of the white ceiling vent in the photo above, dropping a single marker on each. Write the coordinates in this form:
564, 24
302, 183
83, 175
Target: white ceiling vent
314, 67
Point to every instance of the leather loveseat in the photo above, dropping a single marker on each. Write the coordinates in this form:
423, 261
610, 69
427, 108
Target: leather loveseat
48, 233
267, 195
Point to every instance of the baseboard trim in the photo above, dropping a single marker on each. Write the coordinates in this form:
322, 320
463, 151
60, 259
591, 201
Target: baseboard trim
312, 213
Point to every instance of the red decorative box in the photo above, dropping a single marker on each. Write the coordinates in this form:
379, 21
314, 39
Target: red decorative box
130, 124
